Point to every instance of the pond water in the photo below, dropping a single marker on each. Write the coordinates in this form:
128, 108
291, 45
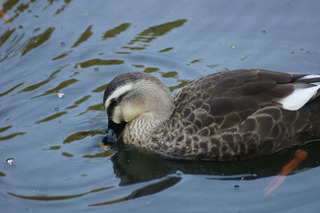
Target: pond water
77, 47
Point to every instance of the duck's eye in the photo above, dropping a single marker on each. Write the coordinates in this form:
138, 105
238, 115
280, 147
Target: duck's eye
114, 101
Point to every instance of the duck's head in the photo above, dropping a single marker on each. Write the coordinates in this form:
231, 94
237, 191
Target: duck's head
134, 94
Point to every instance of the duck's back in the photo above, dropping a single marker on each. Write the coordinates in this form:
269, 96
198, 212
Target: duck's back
235, 115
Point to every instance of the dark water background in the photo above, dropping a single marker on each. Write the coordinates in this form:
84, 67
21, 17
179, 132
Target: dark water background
77, 47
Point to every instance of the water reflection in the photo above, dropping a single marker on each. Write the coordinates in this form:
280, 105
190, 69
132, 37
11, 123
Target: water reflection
7, 137
42, 83
97, 107
152, 33
84, 36
103, 154
146, 190
116, 31
61, 86
134, 166
83, 134
96, 61
61, 197
100, 88
10, 90
80, 101
6, 36
63, 7
38, 40
62, 55
165, 50
49, 46
51, 117
12, 135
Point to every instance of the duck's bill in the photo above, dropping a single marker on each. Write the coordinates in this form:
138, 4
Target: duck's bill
113, 133
116, 128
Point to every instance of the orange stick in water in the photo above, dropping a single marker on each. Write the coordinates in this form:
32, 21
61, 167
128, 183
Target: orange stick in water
299, 156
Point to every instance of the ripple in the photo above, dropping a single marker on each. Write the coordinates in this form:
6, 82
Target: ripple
84, 36
83, 134
51, 117
96, 61
7, 137
42, 83
103, 154
62, 85
58, 197
38, 40
116, 31
149, 189
11, 89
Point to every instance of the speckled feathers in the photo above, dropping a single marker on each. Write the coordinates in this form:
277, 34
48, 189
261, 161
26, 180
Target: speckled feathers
233, 115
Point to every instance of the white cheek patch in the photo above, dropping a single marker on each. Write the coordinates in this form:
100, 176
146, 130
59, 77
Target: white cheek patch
130, 111
116, 116
118, 92
299, 98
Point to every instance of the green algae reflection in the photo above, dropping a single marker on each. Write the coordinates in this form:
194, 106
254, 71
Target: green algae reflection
97, 61
51, 117
115, 31
83, 134
62, 85
148, 35
38, 40
84, 36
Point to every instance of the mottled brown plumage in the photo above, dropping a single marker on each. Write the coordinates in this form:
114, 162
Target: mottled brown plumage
225, 116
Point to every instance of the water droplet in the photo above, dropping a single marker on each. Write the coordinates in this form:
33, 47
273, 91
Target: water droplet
60, 95
10, 161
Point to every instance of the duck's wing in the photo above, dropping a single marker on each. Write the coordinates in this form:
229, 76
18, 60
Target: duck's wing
223, 100
241, 114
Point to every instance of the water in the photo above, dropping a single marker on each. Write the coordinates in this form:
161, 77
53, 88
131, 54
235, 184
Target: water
77, 47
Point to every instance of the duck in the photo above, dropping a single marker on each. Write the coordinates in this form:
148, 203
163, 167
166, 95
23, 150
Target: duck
225, 116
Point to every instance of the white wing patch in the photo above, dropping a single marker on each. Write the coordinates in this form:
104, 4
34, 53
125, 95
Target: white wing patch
300, 96
310, 77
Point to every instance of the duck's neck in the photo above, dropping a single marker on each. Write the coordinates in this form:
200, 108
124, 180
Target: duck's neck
139, 130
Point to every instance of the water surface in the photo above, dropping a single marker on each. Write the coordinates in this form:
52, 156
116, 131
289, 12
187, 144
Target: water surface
77, 47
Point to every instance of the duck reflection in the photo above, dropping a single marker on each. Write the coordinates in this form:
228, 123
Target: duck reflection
134, 166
